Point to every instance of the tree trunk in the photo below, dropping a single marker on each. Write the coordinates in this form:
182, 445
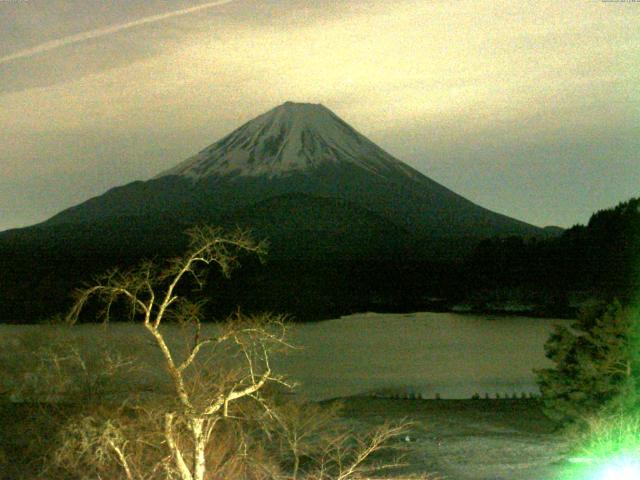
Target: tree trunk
183, 469
199, 441
296, 466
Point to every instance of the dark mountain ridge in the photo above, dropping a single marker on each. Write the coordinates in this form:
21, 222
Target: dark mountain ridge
299, 148
350, 226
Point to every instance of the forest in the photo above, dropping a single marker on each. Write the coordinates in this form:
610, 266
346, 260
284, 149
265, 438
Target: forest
314, 278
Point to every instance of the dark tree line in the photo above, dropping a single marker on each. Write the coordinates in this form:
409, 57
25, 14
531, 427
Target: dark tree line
600, 259
312, 278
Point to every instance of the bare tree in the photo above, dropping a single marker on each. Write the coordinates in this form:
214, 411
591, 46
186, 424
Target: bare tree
318, 444
346, 452
152, 297
218, 420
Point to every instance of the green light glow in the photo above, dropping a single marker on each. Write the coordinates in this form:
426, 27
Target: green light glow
614, 468
622, 468
609, 447
608, 450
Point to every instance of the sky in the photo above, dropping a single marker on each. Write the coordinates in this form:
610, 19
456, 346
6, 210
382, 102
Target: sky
530, 109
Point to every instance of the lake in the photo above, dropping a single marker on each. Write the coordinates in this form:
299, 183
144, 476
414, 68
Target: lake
420, 354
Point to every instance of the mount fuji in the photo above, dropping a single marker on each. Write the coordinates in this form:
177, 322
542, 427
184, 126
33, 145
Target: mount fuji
304, 149
350, 227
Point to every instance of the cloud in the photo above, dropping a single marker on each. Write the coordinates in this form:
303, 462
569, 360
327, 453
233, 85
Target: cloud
542, 93
101, 32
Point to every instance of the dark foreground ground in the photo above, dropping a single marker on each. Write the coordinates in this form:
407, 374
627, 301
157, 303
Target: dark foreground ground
450, 439
469, 439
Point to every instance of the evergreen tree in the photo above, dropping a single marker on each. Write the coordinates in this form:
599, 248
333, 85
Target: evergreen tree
597, 364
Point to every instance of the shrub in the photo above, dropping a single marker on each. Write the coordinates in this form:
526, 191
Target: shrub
609, 436
597, 365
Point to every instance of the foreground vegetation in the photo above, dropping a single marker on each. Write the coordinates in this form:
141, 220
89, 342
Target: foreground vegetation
447, 439
594, 389
222, 413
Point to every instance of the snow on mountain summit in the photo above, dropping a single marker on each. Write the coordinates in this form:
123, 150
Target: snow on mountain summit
290, 138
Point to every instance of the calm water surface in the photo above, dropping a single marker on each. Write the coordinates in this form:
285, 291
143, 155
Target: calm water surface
419, 354
422, 354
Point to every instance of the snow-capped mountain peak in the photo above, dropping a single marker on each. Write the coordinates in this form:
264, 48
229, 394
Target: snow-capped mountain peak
292, 137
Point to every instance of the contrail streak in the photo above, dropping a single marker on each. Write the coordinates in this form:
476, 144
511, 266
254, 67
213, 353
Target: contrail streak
101, 32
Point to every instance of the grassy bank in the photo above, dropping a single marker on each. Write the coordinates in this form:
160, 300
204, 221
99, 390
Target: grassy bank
453, 439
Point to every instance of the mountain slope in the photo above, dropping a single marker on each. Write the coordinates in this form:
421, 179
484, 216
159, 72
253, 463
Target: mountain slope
300, 148
337, 228
351, 227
